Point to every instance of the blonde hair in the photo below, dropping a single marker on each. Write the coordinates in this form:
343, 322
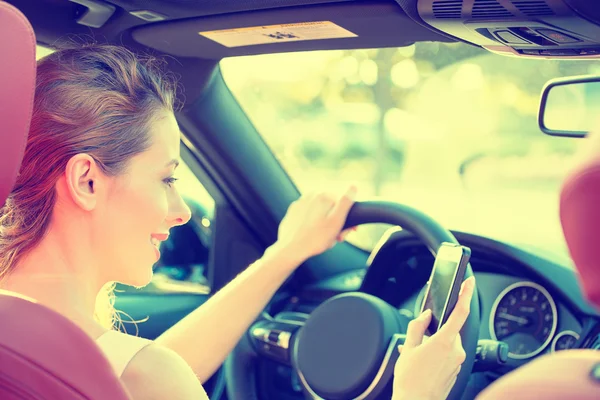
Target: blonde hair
95, 99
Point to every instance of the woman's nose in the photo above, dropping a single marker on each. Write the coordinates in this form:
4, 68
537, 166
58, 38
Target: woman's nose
180, 213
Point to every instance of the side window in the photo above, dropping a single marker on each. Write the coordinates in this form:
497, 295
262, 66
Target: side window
183, 264
41, 51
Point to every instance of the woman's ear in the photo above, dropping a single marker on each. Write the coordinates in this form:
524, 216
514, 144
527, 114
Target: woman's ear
82, 179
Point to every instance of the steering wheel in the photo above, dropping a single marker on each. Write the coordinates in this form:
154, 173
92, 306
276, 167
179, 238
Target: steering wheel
346, 348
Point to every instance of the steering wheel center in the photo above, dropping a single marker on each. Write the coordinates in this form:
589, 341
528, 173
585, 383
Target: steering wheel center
340, 350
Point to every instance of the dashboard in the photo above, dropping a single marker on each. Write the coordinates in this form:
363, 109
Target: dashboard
528, 299
522, 313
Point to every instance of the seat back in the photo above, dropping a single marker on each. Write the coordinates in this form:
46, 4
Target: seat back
17, 86
43, 355
580, 218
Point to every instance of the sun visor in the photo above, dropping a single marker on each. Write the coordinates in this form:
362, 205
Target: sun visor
523, 28
345, 25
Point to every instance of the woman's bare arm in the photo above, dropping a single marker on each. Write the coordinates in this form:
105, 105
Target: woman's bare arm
206, 336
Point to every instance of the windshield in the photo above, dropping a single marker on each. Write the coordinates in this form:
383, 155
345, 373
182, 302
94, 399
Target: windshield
449, 129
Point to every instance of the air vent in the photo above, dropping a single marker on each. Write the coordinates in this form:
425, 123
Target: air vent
447, 9
592, 340
292, 316
533, 8
594, 344
489, 9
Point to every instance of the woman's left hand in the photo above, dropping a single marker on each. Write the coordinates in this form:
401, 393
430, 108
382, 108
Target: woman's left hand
314, 223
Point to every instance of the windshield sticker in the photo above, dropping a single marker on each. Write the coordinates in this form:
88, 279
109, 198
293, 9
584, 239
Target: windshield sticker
278, 34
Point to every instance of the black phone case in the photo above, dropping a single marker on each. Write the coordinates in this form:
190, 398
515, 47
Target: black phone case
460, 276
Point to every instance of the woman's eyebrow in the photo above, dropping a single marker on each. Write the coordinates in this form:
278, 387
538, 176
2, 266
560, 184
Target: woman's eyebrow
174, 162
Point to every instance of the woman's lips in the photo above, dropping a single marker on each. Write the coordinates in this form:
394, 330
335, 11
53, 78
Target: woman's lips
156, 239
161, 237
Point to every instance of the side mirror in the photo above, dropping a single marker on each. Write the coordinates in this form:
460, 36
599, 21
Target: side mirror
570, 107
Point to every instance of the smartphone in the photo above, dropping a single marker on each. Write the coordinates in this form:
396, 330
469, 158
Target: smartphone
444, 283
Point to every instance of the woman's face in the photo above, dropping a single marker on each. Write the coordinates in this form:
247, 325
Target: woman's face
140, 207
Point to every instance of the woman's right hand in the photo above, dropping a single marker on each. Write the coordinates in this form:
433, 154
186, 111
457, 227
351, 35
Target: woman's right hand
428, 366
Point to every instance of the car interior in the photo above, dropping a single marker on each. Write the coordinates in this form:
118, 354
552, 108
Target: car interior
460, 118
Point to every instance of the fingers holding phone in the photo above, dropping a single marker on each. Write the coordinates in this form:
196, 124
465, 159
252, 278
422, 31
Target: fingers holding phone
461, 311
447, 274
432, 355
429, 366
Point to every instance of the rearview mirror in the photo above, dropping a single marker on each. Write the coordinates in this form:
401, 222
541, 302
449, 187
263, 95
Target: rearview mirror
570, 106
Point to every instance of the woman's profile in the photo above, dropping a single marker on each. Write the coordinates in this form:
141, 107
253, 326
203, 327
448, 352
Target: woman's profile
96, 195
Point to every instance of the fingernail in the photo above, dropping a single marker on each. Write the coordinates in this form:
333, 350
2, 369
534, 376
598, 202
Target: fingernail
466, 283
470, 282
351, 192
425, 314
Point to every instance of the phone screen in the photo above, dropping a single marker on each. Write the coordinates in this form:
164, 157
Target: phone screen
441, 284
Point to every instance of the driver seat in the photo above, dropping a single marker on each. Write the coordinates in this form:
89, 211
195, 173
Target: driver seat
569, 374
43, 355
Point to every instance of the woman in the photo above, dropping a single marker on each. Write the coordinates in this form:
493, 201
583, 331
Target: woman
94, 198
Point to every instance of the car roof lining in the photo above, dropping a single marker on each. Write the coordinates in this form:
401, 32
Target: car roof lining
377, 23
176, 9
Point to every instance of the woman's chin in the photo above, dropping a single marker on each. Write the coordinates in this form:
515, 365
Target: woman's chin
138, 280
143, 280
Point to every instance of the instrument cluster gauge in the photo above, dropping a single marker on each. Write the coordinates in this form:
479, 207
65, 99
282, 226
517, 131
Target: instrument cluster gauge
565, 340
524, 316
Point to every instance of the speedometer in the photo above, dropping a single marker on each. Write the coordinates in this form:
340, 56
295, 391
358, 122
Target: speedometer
524, 317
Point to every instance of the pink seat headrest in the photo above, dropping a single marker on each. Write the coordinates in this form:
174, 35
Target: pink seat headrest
580, 218
17, 86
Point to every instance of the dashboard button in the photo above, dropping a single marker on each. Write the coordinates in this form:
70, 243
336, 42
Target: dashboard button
510, 38
557, 37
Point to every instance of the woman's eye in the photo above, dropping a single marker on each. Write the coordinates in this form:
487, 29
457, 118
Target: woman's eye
170, 181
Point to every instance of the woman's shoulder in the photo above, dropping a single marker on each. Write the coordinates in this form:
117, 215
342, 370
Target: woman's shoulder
567, 374
148, 370
120, 348
157, 372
